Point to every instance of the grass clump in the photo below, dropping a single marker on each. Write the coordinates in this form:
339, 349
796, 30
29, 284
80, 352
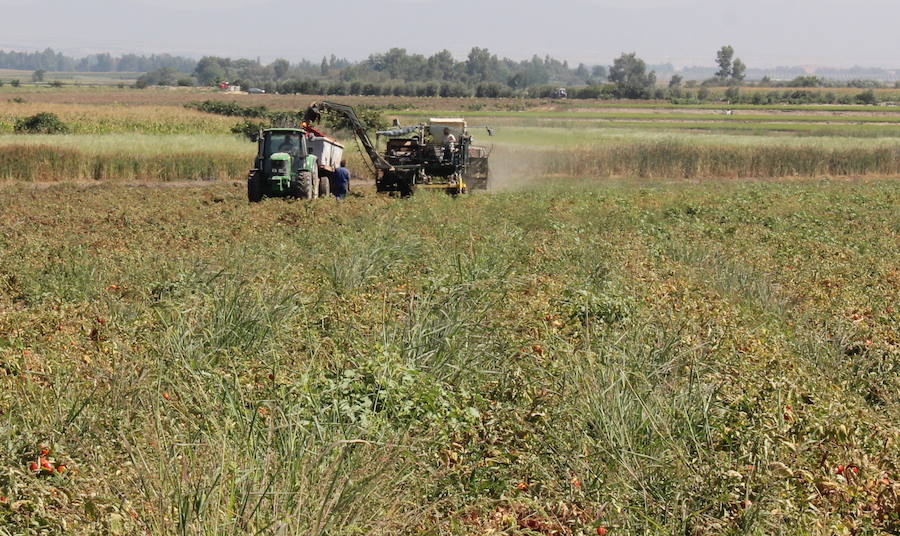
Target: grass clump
41, 123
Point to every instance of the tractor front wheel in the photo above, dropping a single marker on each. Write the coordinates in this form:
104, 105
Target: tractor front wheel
302, 186
254, 188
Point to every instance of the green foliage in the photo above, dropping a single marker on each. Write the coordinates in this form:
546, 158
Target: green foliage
280, 66
41, 123
606, 305
867, 97
165, 76
15, 83
723, 60
211, 70
738, 70
733, 95
703, 94
230, 109
38, 75
629, 74
806, 81
249, 128
372, 118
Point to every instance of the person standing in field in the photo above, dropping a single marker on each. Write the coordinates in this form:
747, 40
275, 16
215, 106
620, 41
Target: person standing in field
449, 144
340, 181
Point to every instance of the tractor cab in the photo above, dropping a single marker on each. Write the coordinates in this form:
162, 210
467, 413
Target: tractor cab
289, 141
281, 167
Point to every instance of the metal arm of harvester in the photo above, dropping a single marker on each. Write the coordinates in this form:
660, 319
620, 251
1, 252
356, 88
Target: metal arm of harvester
359, 129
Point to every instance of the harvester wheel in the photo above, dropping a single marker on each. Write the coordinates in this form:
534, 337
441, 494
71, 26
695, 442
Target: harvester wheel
407, 187
254, 188
302, 186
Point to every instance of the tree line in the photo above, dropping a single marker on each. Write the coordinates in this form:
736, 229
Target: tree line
397, 66
400, 73
50, 60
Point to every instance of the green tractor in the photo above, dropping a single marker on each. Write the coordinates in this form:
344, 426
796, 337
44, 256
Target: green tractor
289, 163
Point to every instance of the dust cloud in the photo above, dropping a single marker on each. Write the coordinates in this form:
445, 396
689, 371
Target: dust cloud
517, 168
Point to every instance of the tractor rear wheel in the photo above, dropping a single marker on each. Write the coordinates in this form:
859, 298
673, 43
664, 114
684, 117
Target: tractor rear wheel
254, 188
324, 185
302, 187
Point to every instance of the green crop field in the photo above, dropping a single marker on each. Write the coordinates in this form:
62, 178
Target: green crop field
75, 78
656, 321
647, 356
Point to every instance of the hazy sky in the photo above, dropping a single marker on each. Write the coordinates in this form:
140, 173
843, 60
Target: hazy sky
765, 33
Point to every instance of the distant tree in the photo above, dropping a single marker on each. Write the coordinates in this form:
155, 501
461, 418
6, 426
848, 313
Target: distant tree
675, 81
440, 66
324, 67
738, 71
56, 83
15, 83
2, 83
480, 64
102, 63
629, 74
723, 60
160, 77
280, 67
599, 72
210, 70
582, 72
38, 75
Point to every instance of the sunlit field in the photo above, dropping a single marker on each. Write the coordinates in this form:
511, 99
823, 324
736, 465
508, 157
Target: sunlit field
642, 327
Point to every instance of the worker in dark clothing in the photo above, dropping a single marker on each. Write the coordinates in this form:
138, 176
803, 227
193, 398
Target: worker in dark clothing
312, 114
340, 181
